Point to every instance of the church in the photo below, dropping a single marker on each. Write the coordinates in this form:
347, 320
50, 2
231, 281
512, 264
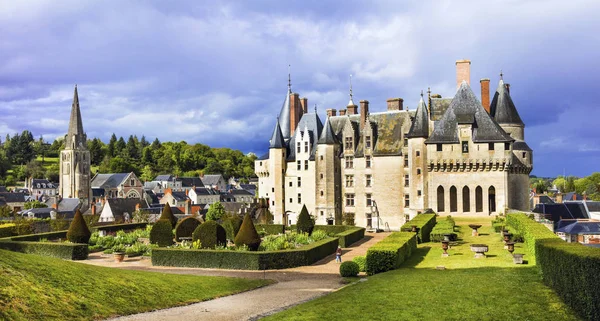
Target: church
453, 155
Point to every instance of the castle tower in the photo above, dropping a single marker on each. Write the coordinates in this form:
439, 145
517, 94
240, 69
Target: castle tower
277, 166
75, 160
504, 112
328, 178
417, 157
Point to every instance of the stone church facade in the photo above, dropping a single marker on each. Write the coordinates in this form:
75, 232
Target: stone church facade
75, 160
456, 155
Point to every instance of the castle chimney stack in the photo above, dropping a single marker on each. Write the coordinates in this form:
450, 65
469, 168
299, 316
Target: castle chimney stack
485, 93
364, 111
463, 72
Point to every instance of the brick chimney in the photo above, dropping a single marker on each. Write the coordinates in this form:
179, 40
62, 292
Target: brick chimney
295, 112
463, 72
55, 206
395, 104
138, 206
304, 103
342, 112
485, 93
559, 197
187, 192
168, 191
188, 206
364, 111
330, 112
352, 109
93, 209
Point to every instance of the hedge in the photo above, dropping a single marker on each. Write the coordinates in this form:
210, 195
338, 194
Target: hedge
389, 253
68, 251
244, 260
186, 227
425, 223
271, 229
442, 227
347, 234
571, 269
120, 227
7, 230
39, 236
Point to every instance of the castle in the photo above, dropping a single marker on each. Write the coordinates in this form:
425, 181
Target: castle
453, 155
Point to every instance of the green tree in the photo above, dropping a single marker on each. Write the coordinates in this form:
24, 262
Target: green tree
34, 204
215, 212
167, 214
95, 146
120, 146
111, 148
305, 223
78, 230
132, 148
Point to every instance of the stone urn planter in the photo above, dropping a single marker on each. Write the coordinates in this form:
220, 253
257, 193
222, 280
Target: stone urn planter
518, 258
445, 248
447, 237
414, 229
507, 236
479, 250
119, 256
510, 246
475, 227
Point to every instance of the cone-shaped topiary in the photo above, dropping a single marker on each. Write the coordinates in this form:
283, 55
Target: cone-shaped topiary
167, 214
186, 227
232, 226
161, 233
78, 231
305, 223
248, 235
210, 234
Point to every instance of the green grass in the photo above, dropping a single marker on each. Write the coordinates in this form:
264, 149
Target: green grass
42, 288
493, 288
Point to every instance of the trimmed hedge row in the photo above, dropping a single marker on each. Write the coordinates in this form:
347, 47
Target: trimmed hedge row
571, 269
442, 227
532, 231
67, 251
119, 227
389, 253
425, 223
37, 237
347, 234
271, 229
7, 230
244, 260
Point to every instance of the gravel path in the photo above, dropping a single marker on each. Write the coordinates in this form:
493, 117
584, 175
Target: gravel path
294, 286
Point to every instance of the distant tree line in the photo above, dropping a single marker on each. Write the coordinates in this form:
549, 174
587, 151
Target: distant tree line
22, 156
589, 185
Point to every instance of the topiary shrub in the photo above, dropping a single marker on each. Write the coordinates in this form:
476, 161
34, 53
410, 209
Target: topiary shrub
349, 269
167, 214
248, 235
362, 262
210, 234
305, 223
232, 226
78, 231
162, 233
186, 227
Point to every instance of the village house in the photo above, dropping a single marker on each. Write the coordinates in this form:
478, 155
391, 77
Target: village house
118, 185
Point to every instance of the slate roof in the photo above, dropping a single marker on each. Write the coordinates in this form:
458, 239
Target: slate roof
593, 206
580, 227
191, 181
119, 206
241, 192
569, 197
3, 189
248, 187
210, 180
558, 211
502, 108
179, 196
165, 178
13, 197
545, 199
43, 183
205, 191
309, 122
438, 107
420, 125
465, 108
284, 115
521, 145
108, 180
327, 136
277, 140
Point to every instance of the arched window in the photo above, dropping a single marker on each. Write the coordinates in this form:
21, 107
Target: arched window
453, 200
478, 199
440, 199
492, 199
466, 199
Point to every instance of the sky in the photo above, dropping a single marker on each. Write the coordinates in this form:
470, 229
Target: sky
215, 72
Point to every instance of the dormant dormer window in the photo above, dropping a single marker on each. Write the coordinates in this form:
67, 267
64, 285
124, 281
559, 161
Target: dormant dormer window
348, 143
438, 147
465, 147
368, 161
298, 146
368, 142
306, 147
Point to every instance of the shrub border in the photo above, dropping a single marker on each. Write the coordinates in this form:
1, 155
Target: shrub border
347, 234
270, 229
391, 252
425, 223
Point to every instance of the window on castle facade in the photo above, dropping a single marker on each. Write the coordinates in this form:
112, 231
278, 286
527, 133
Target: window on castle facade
368, 180
348, 143
438, 147
405, 142
369, 200
306, 147
321, 193
299, 198
349, 162
291, 200
291, 184
524, 154
417, 153
406, 180
419, 192
506, 146
305, 165
349, 199
490, 146
406, 200
298, 147
405, 160
321, 157
299, 163
299, 181
368, 142
465, 147
321, 175
349, 180
418, 171
368, 161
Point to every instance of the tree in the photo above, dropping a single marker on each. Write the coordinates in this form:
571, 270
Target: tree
305, 223
247, 235
78, 230
167, 214
95, 146
120, 145
112, 145
4, 163
215, 212
132, 148
34, 204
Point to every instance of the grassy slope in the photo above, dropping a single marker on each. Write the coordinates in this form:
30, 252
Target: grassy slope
42, 288
484, 289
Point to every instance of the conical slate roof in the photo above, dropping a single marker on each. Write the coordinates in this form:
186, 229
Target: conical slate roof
327, 135
466, 109
420, 126
277, 140
75, 135
502, 107
284, 114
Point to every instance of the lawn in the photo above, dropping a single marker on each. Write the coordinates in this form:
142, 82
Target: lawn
43, 288
469, 289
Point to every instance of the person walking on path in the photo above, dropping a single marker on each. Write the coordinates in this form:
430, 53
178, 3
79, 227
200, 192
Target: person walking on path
338, 254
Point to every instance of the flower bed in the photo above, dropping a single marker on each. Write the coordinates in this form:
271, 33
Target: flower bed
129, 243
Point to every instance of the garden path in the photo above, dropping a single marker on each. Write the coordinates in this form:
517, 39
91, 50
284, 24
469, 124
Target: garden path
294, 286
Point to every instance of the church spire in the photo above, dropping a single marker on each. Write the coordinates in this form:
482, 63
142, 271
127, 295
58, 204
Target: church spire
351, 102
75, 135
